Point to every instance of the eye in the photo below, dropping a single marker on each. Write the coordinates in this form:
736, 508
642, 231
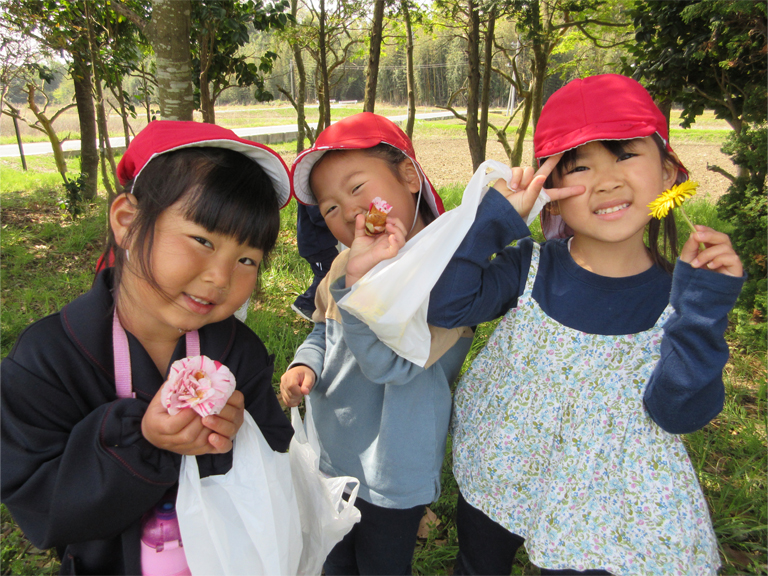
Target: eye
248, 262
626, 156
328, 211
577, 169
203, 241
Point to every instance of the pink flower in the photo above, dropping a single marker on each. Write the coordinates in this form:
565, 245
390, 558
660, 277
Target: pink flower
199, 383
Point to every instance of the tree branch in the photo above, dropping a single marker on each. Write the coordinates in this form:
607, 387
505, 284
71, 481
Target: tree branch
716, 168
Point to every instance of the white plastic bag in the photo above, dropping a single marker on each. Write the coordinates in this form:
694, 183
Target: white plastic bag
325, 516
393, 297
245, 521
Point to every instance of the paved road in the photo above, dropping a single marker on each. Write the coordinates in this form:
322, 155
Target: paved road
266, 134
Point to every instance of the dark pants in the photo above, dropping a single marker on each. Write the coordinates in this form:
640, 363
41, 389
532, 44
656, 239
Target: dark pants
486, 547
320, 263
381, 543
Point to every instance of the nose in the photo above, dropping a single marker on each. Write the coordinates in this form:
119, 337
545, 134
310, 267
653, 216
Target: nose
608, 180
351, 210
219, 273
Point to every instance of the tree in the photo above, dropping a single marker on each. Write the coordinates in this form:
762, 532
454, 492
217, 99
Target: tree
220, 32
331, 42
61, 26
168, 31
410, 76
291, 34
372, 70
711, 54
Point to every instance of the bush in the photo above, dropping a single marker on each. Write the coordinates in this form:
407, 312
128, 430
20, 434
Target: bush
744, 206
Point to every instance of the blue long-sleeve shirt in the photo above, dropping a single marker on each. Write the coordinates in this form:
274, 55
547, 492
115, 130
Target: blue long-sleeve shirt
379, 417
486, 276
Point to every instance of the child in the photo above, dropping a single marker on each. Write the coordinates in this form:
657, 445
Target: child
564, 428
79, 466
379, 418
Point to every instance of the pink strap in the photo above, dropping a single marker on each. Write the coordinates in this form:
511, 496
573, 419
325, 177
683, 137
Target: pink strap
123, 379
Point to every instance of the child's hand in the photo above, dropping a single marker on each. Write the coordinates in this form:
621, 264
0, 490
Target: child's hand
295, 384
717, 256
187, 433
367, 251
525, 185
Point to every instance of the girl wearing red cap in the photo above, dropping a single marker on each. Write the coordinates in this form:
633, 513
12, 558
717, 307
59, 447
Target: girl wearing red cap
82, 461
379, 417
566, 427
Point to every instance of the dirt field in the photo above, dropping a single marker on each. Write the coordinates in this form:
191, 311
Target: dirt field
447, 161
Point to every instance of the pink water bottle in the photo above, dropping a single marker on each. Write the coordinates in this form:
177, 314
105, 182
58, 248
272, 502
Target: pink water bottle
162, 552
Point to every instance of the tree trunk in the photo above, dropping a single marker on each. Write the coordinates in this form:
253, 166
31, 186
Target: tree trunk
325, 99
89, 154
486, 94
105, 148
206, 102
522, 128
53, 138
173, 58
120, 95
372, 71
473, 85
410, 76
301, 96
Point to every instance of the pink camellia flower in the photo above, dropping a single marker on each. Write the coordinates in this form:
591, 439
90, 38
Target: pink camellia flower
199, 383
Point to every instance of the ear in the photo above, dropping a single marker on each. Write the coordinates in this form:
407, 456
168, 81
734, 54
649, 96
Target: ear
121, 216
669, 175
410, 175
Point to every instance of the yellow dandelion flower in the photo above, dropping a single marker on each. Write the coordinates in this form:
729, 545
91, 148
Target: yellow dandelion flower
670, 199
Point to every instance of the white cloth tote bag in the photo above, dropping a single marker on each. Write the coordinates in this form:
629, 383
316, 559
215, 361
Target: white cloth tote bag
245, 521
393, 297
325, 516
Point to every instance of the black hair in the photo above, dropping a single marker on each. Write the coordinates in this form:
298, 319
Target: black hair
663, 255
222, 190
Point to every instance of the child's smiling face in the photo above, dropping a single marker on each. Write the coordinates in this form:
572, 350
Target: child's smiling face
345, 183
204, 276
614, 207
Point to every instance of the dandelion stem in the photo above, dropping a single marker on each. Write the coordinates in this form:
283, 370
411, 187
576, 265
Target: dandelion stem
692, 227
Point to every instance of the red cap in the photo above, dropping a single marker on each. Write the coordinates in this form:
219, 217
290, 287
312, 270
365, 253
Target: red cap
161, 136
603, 107
357, 132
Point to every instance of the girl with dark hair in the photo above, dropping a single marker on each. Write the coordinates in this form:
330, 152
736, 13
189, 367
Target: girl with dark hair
85, 463
566, 428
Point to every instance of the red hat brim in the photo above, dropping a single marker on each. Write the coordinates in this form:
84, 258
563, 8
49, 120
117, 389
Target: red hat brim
163, 136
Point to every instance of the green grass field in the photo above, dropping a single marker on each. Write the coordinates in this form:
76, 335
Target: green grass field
47, 260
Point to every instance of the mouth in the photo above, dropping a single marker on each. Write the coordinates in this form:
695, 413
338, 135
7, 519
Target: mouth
612, 209
199, 305
199, 300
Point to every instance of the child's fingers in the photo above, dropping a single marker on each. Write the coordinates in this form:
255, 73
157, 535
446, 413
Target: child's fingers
567, 192
521, 178
295, 384
228, 421
360, 225
718, 255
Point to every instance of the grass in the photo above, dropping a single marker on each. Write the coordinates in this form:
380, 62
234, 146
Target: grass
47, 260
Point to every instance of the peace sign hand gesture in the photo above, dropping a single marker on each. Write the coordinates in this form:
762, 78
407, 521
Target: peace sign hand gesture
525, 185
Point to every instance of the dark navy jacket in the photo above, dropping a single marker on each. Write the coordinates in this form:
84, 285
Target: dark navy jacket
77, 474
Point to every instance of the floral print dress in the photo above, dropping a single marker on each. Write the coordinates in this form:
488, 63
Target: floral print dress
551, 440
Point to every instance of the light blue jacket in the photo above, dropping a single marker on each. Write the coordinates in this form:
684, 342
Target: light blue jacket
379, 417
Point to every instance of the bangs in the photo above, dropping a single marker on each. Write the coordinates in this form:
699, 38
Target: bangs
235, 198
